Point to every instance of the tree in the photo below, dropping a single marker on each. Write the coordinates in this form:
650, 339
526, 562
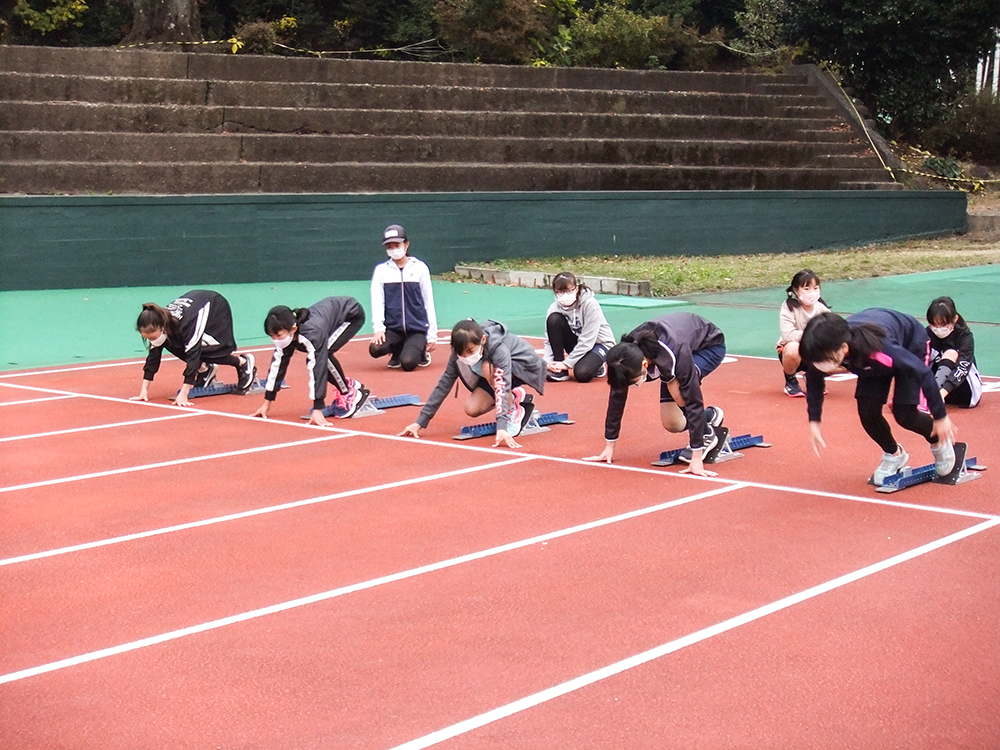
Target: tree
908, 59
164, 21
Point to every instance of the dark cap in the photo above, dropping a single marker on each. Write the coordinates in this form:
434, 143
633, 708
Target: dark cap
393, 233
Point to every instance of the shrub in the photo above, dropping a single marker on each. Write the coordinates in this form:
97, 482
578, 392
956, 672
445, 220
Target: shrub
610, 36
971, 131
258, 37
495, 31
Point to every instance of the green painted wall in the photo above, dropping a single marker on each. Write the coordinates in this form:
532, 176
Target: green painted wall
63, 242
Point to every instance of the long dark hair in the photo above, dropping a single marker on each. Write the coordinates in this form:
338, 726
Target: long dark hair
152, 318
942, 310
803, 277
466, 334
827, 332
625, 359
284, 318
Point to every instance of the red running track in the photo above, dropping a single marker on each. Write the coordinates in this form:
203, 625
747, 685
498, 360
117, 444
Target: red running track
178, 578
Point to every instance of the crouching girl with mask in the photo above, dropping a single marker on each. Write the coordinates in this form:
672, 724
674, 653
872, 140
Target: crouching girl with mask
495, 366
577, 335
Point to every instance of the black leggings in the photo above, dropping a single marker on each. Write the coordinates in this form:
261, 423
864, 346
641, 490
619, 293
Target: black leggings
408, 348
907, 416
562, 341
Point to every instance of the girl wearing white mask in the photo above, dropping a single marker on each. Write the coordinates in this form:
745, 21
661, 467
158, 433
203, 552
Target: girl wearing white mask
495, 366
577, 335
197, 328
887, 350
803, 302
953, 354
319, 331
403, 317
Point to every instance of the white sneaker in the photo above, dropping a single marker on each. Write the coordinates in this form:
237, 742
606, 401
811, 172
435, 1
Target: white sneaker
944, 458
891, 464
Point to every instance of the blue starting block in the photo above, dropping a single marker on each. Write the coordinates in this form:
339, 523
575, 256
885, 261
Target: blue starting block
373, 406
221, 389
536, 423
726, 450
959, 475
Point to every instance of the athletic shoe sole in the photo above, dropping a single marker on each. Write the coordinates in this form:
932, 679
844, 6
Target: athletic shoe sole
248, 375
362, 394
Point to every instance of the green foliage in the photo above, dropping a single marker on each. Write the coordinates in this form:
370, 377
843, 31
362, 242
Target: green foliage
971, 131
258, 37
764, 24
611, 36
495, 31
943, 167
908, 59
59, 14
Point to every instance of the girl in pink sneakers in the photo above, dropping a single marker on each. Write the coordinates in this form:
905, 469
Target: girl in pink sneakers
884, 348
801, 305
494, 365
319, 331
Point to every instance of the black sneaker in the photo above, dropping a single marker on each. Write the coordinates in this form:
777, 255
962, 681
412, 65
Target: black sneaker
557, 377
248, 372
711, 440
792, 387
206, 378
394, 363
426, 361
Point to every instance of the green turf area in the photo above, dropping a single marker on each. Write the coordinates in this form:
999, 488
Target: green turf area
61, 327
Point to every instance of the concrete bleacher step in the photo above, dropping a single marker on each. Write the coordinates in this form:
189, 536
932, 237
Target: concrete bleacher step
104, 120
188, 177
255, 147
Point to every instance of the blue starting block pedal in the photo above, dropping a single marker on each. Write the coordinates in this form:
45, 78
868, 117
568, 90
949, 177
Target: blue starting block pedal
221, 389
959, 475
726, 450
373, 406
536, 423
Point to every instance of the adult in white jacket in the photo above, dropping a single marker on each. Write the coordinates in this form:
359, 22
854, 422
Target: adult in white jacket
403, 317
577, 335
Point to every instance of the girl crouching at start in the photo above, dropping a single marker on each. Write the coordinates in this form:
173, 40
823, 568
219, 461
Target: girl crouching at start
197, 328
679, 350
494, 365
319, 331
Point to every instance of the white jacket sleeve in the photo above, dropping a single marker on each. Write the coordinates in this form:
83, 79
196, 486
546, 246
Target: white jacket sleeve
378, 301
427, 291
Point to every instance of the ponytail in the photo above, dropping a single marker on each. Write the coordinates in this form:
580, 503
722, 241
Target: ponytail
153, 318
283, 318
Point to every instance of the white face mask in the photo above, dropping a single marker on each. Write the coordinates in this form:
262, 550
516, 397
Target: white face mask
808, 297
942, 332
283, 341
472, 359
566, 299
159, 340
826, 367
395, 252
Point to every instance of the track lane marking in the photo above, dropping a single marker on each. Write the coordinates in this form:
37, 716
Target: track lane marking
256, 512
105, 426
37, 400
174, 462
670, 647
353, 588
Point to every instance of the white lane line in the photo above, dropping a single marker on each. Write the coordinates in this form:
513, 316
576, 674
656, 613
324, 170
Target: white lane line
37, 400
353, 588
175, 462
462, 446
611, 670
258, 512
105, 426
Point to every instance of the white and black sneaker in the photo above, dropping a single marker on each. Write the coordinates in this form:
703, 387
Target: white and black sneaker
426, 361
557, 376
711, 440
207, 377
353, 399
248, 372
714, 416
